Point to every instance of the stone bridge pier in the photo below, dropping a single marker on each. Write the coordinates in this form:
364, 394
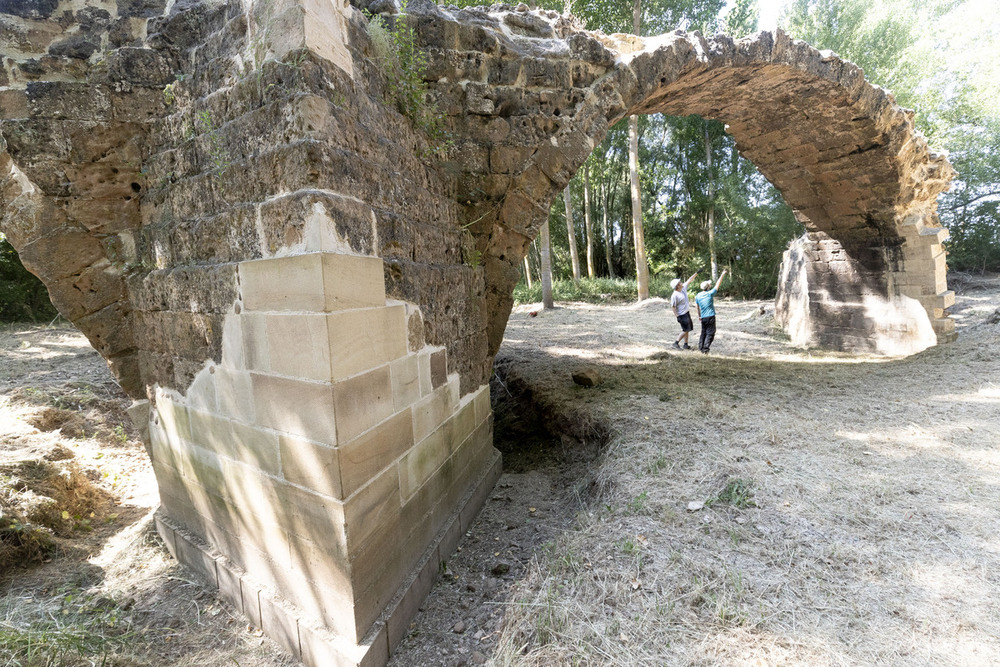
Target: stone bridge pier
305, 298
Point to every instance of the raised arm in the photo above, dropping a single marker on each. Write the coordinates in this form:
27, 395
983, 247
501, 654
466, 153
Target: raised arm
688, 281
723, 275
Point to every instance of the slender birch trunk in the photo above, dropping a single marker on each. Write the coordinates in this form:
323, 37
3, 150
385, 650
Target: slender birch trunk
546, 266
711, 206
641, 267
587, 222
607, 232
571, 233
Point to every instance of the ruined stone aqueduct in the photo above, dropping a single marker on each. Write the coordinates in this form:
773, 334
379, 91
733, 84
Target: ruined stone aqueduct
305, 300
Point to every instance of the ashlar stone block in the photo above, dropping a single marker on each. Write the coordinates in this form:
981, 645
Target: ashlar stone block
312, 465
253, 446
427, 456
371, 452
307, 514
299, 345
280, 624
314, 282
405, 373
371, 510
173, 418
232, 342
360, 403
235, 394
431, 411
365, 338
306, 409
481, 399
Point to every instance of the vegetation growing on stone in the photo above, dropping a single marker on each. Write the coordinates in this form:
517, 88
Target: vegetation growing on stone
404, 64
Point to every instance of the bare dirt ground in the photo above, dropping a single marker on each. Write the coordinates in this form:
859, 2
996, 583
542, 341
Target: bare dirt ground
761, 505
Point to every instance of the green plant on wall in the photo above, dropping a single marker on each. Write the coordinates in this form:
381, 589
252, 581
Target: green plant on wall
217, 154
404, 66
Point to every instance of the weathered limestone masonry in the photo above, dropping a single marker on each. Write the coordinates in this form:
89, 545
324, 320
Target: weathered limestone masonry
306, 301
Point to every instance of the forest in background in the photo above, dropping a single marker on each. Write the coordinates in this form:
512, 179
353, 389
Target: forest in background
696, 193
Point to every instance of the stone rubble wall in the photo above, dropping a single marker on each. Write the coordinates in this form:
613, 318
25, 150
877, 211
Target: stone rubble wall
828, 299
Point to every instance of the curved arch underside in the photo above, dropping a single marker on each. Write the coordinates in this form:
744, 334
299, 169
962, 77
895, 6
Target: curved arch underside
526, 96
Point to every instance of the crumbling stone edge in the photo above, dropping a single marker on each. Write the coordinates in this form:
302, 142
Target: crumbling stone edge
281, 621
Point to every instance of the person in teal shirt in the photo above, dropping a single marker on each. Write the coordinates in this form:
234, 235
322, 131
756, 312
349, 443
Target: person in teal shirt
704, 302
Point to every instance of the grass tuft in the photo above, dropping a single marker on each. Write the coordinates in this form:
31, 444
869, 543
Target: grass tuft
74, 628
737, 492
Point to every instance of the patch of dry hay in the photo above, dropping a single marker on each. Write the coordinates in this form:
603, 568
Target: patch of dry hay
40, 499
867, 531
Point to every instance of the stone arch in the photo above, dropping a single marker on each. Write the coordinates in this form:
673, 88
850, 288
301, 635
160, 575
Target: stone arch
870, 273
269, 212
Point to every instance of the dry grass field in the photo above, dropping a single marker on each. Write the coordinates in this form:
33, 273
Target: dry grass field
767, 505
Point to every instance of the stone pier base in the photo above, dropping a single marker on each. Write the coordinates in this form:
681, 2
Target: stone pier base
828, 297
288, 625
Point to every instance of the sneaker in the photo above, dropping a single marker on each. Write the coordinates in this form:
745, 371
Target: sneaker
686, 347
705, 351
677, 345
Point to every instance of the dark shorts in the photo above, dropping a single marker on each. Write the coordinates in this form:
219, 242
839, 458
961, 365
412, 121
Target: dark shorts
685, 322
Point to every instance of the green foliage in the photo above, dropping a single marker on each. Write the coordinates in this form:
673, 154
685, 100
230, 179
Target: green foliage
638, 504
23, 297
404, 65
471, 255
875, 34
737, 492
923, 51
742, 19
217, 153
591, 290
658, 16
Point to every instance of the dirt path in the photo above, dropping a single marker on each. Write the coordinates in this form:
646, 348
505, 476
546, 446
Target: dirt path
845, 506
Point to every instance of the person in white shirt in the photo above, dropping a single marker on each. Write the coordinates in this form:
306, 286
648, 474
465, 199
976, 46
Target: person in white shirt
681, 307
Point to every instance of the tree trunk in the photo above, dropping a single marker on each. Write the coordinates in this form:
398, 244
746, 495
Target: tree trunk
641, 267
711, 206
527, 271
546, 266
607, 230
571, 234
586, 218
626, 249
